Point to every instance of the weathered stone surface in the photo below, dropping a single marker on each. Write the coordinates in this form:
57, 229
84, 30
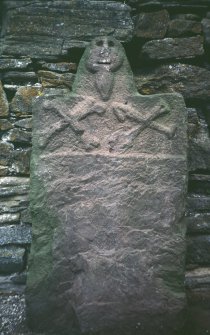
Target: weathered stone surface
13, 284
152, 25
14, 181
14, 204
19, 77
107, 198
59, 67
198, 203
15, 234
10, 190
6, 150
20, 161
199, 143
17, 135
22, 102
25, 216
24, 123
179, 27
4, 106
69, 24
51, 79
4, 170
5, 124
206, 30
198, 278
198, 250
11, 259
9, 218
13, 63
198, 223
193, 82
170, 48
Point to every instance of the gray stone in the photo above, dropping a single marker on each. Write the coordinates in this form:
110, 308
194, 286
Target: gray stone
198, 223
69, 24
14, 204
11, 259
25, 216
21, 104
152, 25
51, 79
191, 17
24, 123
5, 124
4, 106
14, 64
198, 203
199, 144
174, 48
20, 161
14, 181
6, 150
59, 67
193, 82
198, 250
9, 218
12, 284
206, 30
198, 278
4, 171
15, 234
107, 200
16, 135
19, 77
13, 190
179, 27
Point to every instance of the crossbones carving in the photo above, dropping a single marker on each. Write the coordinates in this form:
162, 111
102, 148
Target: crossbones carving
121, 111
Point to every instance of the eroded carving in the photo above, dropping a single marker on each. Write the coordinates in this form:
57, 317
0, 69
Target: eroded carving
108, 182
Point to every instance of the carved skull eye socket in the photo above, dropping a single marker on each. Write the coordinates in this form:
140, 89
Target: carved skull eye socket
110, 43
99, 43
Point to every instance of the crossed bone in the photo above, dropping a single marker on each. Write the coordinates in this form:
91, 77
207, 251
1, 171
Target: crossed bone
123, 111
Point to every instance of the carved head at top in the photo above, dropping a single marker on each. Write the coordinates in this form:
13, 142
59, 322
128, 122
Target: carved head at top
104, 55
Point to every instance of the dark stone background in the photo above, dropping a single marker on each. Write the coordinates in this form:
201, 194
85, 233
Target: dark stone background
41, 43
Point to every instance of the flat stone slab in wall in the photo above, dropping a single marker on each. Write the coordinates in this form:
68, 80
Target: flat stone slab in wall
40, 31
107, 199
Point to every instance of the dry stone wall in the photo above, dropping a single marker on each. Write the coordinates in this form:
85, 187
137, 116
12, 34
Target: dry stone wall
168, 46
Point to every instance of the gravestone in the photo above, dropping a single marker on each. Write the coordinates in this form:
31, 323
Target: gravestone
107, 200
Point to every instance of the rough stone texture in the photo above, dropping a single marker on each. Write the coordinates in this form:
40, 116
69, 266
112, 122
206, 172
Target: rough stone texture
59, 67
70, 24
5, 124
152, 25
14, 64
11, 259
16, 135
179, 27
22, 102
4, 106
199, 223
19, 77
20, 161
24, 123
170, 48
198, 250
9, 218
107, 198
51, 79
6, 150
206, 30
199, 143
193, 82
198, 203
15, 234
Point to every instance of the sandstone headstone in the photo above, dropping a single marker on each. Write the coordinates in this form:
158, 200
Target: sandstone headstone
107, 198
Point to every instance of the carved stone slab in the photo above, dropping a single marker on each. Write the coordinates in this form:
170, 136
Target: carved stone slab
107, 200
